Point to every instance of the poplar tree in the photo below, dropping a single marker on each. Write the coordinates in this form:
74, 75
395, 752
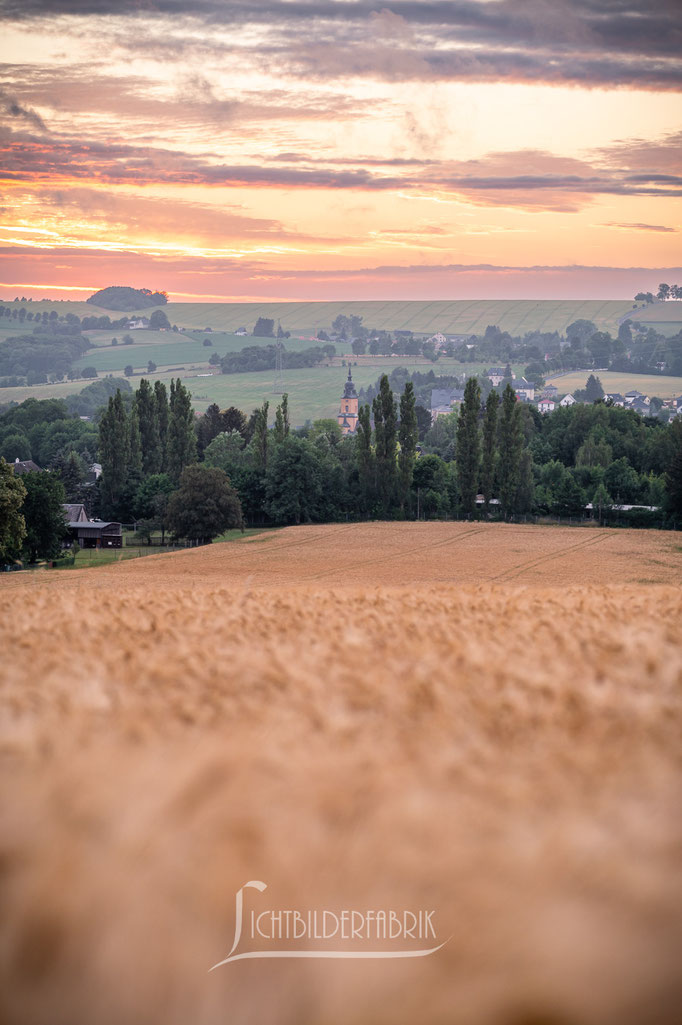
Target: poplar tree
114, 449
469, 446
489, 448
148, 418
365, 456
510, 447
385, 444
282, 419
134, 444
407, 436
161, 396
182, 442
260, 436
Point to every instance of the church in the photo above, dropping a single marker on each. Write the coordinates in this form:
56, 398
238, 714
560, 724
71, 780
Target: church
348, 414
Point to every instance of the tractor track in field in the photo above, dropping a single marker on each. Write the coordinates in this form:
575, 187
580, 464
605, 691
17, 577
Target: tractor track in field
516, 571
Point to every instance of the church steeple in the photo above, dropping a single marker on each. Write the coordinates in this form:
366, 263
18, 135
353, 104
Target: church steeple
348, 414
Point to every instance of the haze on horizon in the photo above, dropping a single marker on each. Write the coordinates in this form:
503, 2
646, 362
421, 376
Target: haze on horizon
341, 149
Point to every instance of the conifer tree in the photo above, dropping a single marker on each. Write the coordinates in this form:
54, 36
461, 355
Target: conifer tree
407, 436
468, 446
489, 448
182, 442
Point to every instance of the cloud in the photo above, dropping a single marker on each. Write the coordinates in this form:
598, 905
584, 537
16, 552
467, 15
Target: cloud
588, 42
639, 227
547, 181
13, 110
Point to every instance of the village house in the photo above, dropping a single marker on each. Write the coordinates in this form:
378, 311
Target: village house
443, 401
616, 398
438, 340
550, 391
496, 375
568, 400
25, 466
138, 324
348, 413
524, 389
240, 332
546, 405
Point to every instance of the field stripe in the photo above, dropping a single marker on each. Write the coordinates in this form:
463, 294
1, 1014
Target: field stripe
515, 571
401, 554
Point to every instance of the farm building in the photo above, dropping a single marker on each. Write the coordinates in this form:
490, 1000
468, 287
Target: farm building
96, 534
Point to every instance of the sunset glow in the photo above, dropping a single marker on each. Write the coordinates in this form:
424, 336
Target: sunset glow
339, 150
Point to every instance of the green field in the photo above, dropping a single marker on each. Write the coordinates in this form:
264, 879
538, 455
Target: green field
166, 349
449, 316
648, 384
666, 318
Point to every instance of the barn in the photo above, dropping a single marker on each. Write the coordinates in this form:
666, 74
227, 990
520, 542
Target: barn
96, 534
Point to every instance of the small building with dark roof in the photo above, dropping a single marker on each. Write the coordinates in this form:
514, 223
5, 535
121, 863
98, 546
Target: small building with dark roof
25, 466
96, 534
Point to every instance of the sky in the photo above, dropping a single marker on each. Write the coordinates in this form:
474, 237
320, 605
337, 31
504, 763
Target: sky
340, 149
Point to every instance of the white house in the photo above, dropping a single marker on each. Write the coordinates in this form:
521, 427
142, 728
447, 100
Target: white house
568, 400
439, 340
546, 405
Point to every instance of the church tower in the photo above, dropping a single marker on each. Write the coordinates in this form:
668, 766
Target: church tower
348, 414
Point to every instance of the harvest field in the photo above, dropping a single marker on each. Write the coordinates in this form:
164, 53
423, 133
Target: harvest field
476, 719
648, 384
459, 316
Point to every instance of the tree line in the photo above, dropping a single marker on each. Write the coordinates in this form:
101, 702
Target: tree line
168, 470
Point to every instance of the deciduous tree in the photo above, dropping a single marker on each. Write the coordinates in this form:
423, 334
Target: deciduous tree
204, 506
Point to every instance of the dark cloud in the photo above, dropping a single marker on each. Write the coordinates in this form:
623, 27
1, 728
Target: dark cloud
640, 227
12, 109
590, 42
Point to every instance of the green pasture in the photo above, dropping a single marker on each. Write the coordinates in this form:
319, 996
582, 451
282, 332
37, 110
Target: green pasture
648, 384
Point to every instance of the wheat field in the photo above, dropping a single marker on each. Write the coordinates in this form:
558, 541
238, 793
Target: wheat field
482, 720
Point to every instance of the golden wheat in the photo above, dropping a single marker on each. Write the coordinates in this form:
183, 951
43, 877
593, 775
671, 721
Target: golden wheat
478, 719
